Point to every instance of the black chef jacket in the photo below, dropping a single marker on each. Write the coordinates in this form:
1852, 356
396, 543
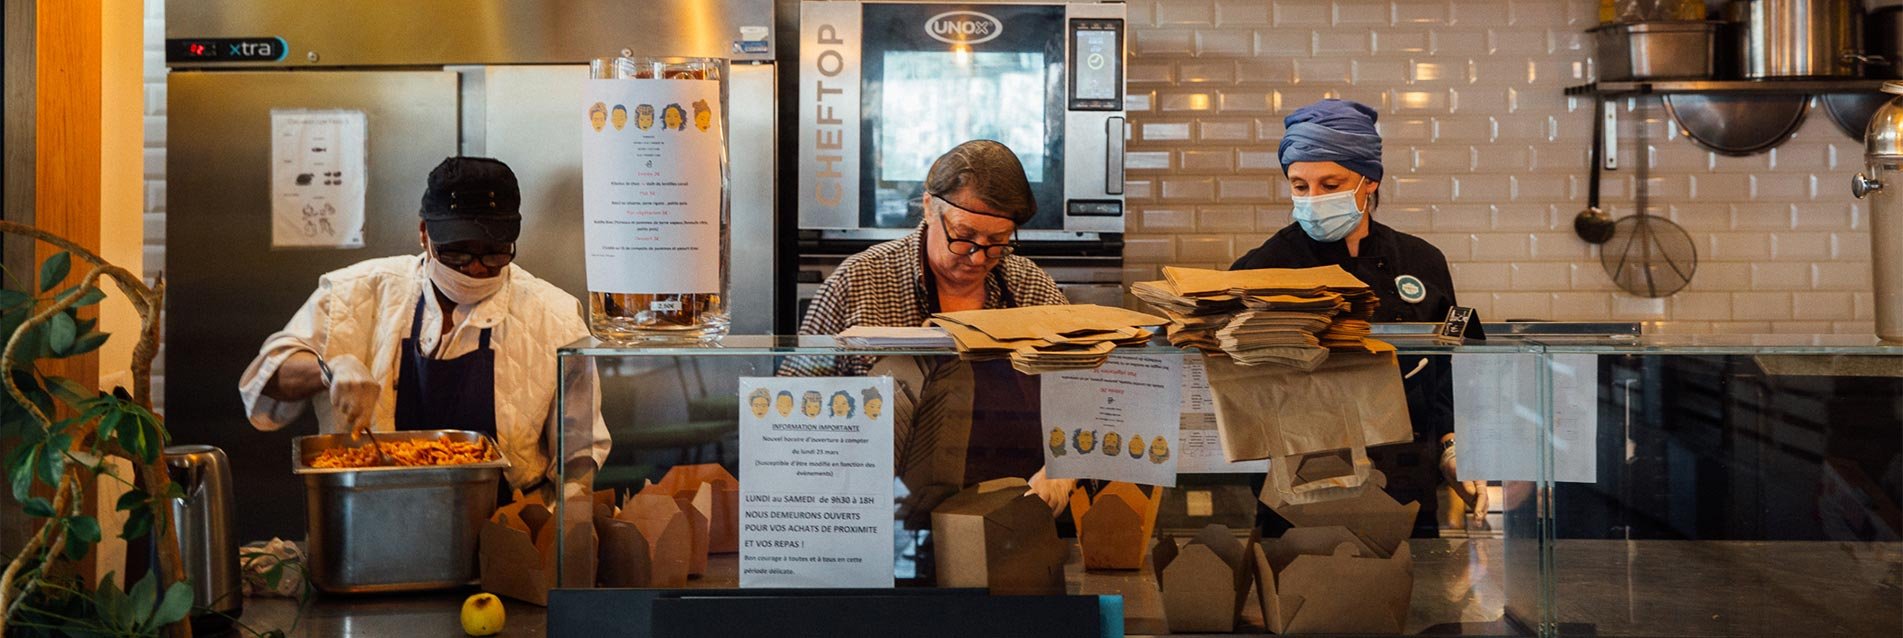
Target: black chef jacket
1388, 258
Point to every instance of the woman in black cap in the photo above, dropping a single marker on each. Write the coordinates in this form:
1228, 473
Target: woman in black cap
458, 337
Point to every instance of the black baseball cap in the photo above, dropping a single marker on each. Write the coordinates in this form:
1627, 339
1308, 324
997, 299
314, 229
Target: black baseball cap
472, 198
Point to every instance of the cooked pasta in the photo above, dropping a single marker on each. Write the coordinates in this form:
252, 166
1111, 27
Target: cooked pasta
407, 453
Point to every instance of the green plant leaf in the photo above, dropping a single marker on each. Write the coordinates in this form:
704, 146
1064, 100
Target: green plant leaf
10, 299
88, 342
85, 528
138, 524
145, 593
20, 472
36, 506
87, 296
113, 604
77, 548
72, 392
178, 602
61, 330
55, 269
174, 491
53, 457
109, 424
132, 499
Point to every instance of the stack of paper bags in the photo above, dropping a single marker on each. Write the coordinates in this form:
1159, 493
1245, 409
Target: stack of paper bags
1344, 568
1287, 316
1039, 339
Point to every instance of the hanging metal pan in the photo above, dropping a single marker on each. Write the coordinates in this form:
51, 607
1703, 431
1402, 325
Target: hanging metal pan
1738, 124
1851, 112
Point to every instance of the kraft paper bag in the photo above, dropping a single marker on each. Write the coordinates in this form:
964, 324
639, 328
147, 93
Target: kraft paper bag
1052, 323
1201, 281
1265, 412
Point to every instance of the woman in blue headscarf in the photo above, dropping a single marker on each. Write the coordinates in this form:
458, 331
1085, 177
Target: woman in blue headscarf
1332, 157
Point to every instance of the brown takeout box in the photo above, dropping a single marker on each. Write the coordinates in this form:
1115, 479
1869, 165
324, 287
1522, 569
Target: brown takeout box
1344, 568
994, 536
723, 514
670, 533
1205, 580
518, 552
1113, 530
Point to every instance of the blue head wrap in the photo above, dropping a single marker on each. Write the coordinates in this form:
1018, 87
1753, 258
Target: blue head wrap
1338, 131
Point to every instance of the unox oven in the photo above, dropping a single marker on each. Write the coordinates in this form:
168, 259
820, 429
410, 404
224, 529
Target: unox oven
885, 87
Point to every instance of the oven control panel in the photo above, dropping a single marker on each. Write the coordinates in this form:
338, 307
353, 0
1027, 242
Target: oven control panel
1096, 64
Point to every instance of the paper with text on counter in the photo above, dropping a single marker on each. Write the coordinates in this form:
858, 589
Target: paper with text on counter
1118, 422
1200, 438
815, 482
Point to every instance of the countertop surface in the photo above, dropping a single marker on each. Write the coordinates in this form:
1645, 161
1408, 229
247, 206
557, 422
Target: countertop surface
1606, 588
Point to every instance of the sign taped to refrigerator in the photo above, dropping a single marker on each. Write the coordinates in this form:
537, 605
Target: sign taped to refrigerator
318, 174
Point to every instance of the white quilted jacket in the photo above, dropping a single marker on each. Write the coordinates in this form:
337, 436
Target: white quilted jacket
365, 309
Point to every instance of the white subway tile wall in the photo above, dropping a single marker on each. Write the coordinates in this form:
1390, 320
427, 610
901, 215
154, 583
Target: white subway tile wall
154, 79
1485, 157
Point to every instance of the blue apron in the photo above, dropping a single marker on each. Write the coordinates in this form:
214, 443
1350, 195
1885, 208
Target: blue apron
447, 394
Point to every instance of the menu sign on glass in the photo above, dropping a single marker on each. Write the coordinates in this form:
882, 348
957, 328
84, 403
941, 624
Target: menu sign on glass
1117, 422
815, 482
651, 186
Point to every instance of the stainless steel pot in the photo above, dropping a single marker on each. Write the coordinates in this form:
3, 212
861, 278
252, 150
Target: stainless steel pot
207, 541
1802, 38
1881, 184
383, 529
1883, 30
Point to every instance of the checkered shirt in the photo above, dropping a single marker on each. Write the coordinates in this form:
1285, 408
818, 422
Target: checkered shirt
886, 286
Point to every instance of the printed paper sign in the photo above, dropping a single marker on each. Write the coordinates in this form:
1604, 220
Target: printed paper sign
815, 482
1201, 441
317, 178
651, 185
1117, 422
1497, 417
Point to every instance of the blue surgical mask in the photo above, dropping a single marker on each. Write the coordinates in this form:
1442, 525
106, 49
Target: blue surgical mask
1329, 217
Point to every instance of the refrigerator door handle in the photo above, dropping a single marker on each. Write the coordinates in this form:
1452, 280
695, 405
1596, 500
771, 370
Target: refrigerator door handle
1114, 133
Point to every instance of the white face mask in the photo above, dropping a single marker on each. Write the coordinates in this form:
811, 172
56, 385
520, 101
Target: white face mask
464, 289
1329, 217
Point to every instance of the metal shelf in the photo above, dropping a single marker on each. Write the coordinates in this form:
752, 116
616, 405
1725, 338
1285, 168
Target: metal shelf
1610, 90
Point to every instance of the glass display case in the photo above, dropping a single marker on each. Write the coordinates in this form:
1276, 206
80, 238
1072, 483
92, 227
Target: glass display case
1643, 485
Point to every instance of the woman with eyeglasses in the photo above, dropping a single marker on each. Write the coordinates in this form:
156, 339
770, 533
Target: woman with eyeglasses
959, 258
457, 337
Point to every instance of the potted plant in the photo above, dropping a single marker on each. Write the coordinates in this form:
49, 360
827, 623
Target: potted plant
62, 434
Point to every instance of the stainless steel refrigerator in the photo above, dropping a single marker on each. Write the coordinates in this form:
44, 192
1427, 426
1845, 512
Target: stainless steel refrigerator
434, 78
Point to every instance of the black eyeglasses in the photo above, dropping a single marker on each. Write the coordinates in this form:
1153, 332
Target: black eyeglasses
966, 247
458, 259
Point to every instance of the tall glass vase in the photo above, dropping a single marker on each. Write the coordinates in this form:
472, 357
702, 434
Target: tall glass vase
655, 198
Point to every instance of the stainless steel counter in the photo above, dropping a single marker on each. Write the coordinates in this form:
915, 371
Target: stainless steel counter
1611, 588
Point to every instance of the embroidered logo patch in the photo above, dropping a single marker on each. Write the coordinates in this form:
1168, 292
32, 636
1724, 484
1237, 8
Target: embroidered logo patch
1411, 288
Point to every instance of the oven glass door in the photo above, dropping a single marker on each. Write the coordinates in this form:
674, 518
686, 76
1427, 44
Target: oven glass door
937, 75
